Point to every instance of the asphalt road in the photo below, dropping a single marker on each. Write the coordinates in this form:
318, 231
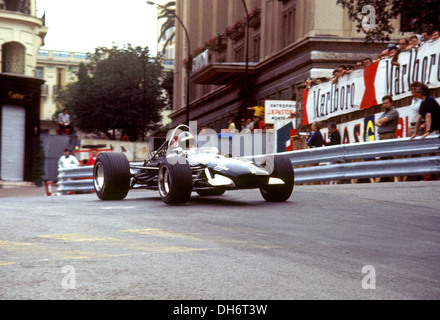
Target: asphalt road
365, 241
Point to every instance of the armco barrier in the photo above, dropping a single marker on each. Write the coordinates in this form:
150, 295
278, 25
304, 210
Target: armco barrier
366, 160
342, 162
78, 179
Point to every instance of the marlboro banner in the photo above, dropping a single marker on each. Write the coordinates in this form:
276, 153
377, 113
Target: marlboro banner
365, 88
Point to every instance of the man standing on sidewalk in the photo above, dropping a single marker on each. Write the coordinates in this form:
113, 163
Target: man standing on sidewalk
388, 121
429, 111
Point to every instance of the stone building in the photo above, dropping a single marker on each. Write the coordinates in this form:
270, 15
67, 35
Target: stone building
21, 35
57, 69
288, 42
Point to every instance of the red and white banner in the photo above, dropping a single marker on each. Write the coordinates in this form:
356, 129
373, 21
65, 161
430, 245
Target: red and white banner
365, 88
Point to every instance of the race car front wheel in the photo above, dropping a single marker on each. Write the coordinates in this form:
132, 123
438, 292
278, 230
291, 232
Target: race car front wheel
283, 170
175, 181
111, 176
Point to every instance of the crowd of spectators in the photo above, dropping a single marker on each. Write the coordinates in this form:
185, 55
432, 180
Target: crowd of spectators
392, 52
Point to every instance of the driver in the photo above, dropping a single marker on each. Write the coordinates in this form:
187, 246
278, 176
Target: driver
186, 140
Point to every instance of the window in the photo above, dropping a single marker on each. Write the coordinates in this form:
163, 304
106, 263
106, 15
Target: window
13, 54
22, 6
239, 54
288, 27
39, 73
256, 49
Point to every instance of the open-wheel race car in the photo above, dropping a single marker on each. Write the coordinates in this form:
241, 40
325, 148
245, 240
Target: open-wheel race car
178, 168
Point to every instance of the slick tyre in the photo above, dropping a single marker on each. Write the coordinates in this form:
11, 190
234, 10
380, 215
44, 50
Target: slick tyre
282, 169
111, 176
175, 181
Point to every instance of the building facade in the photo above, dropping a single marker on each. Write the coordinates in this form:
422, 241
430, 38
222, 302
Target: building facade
57, 69
21, 35
288, 42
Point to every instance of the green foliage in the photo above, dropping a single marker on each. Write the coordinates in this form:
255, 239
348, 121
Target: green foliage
118, 90
167, 31
416, 16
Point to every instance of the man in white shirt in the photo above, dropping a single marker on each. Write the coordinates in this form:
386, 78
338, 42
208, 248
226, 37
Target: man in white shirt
415, 107
67, 161
64, 123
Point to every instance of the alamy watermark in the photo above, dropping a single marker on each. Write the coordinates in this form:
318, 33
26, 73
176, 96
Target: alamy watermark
369, 281
255, 145
69, 281
369, 18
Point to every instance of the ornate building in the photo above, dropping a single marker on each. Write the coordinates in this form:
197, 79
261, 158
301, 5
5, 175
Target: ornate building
288, 42
21, 35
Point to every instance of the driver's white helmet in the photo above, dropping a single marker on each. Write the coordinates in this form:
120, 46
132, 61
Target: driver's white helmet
186, 140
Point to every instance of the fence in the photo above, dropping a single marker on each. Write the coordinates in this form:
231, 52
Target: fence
387, 158
78, 179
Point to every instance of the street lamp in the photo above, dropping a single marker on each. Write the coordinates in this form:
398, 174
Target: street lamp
247, 61
188, 70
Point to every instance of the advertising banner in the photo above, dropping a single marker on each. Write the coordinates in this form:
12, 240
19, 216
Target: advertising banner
275, 110
365, 88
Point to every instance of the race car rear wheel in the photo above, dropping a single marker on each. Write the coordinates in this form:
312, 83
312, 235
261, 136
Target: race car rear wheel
111, 176
175, 182
282, 169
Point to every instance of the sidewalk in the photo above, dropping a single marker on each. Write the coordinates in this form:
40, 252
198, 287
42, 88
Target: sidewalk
9, 189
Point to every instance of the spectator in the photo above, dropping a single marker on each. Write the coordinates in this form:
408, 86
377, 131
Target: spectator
403, 44
415, 108
425, 37
388, 121
258, 111
315, 140
367, 62
414, 42
64, 124
392, 51
231, 126
242, 124
349, 69
249, 124
429, 111
309, 83
434, 36
385, 54
336, 75
359, 65
67, 161
256, 122
92, 158
334, 137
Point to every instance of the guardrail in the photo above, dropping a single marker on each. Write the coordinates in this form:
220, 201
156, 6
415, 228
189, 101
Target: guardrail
367, 160
78, 179
334, 163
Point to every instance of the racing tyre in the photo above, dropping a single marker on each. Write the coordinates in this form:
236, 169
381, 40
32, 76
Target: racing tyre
111, 176
283, 170
211, 192
175, 181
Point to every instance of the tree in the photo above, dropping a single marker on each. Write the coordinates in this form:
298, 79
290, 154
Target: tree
168, 85
167, 30
119, 90
415, 16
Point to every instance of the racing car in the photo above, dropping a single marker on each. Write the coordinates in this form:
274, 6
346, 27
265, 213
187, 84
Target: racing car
178, 168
